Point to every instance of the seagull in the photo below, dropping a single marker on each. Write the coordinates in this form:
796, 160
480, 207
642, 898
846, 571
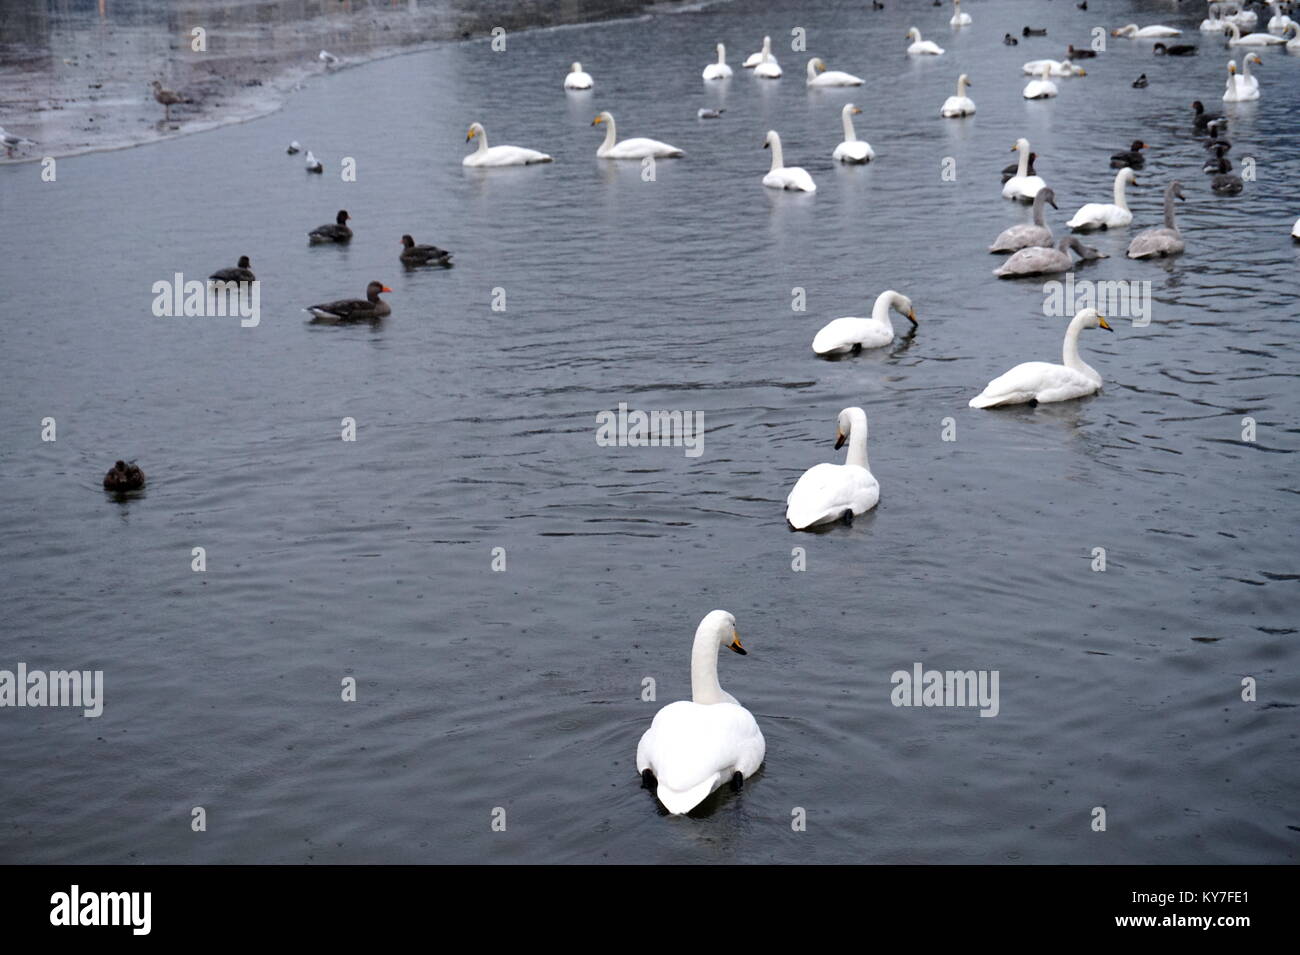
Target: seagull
328, 58
313, 164
10, 141
167, 97
294, 148
710, 113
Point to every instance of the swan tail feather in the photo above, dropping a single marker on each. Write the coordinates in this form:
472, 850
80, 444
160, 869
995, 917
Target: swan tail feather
684, 801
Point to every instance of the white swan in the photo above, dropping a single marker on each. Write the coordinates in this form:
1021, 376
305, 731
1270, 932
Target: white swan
1251, 39
719, 70
499, 155
922, 47
1022, 186
694, 746
1023, 235
1246, 19
1277, 22
1041, 88
852, 150
961, 104
1214, 23
1162, 240
781, 176
959, 19
1106, 215
1057, 67
818, 75
769, 69
1042, 382
826, 492
756, 58
1293, 44
1295, 230
1243, 87
844, 335
637, 148
1156, 30
576, 79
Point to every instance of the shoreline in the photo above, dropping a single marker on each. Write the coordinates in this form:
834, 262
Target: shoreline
79, 83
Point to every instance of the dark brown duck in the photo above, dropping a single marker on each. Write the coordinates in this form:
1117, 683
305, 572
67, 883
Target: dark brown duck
240, 273
124, 477
354, 309
336, 231
413, 254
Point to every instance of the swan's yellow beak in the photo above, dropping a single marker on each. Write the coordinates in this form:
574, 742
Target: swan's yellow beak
839, 439
470, 135
597, 121
1014, 147
856, 110
1082, 73
735, 643
1101, 323
911, 315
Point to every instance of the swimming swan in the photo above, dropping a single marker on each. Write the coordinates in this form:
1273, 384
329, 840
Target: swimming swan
1243, 87
1162, 240
959, 19
844, 335
781, 176
1023, 235
819, 76
830, 492
719, 70
576, 79
1037, 260
1041, 382
852, 150
1041, 88
637, 148
1156, 30
1103, 215
756, 58
922, 47
1251, 39
1022, 185
694, 746
960, 105
499, 155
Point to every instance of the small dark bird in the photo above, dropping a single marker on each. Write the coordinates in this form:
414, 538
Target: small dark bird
1082, 4
1140, 83
168, 98
370, 308
706, 113
123, 477
1219, 164
294, 148
1133, 158
1201, 121
1009, 171
1073, 54
1030, 31
1216, 142
240, 273
415, 255
336, 231
1177, 49
1227, 184
877, 5
313, 164
1009, 40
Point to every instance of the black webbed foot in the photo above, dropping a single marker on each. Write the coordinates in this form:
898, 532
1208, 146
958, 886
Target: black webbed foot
648, 779
737, 781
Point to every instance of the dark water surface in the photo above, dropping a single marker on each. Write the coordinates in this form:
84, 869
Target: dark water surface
476, 430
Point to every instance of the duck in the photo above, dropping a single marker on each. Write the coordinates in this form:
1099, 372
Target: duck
1158, 29
769, 69
843, 336
1009, 171
877, 5
921, 47
1107, 215
708, 113
168, 98
1041, 382
1140, 83
1133, 158
1009, 40
1162, 240
1220, 163
852, 149
336, 231
1235, 38
370, 308
413, 255
1175, 49
496, 156
1031, 31
1025, 235
577, 78
1023, 185
122, 477
1074, 53
1227, 183
313, 164
781, 176
1202, 118
240, 273
294, 148
756, 58
960, 104
1242, 87
959, 19
719, 70
636, 148
826, 492
1045, 260
1217, 142
1041, 88
819, 76
1056, 67
695, 746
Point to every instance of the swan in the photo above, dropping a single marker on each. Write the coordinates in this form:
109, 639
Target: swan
1295, 230
719, 70
499, 155
1023, 235
1102, 215
1022, 185
1156, 30
830, 492
844, 335
638, 148
922, 47
1214, 23
818, 75
1041, 88
694, 746
1251, 39
1246, 19
1041, 382
756, 58
1058, 68
1293, 44
1162, 240
577, 79
959, 19
961, 104
769, 69
852, 150
1278, 21
781, 176
1039, 260
1242, 87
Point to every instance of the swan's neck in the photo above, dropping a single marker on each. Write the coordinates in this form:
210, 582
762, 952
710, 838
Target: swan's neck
880, 315
1070, 350
812, 70
1169, 211
778, 160
767, 48
1039, 202
704, 670
610, 133
722, 55
1245, 69
961, 82
858, 432
482, 141
849, 134
1120, 182
1022, 170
